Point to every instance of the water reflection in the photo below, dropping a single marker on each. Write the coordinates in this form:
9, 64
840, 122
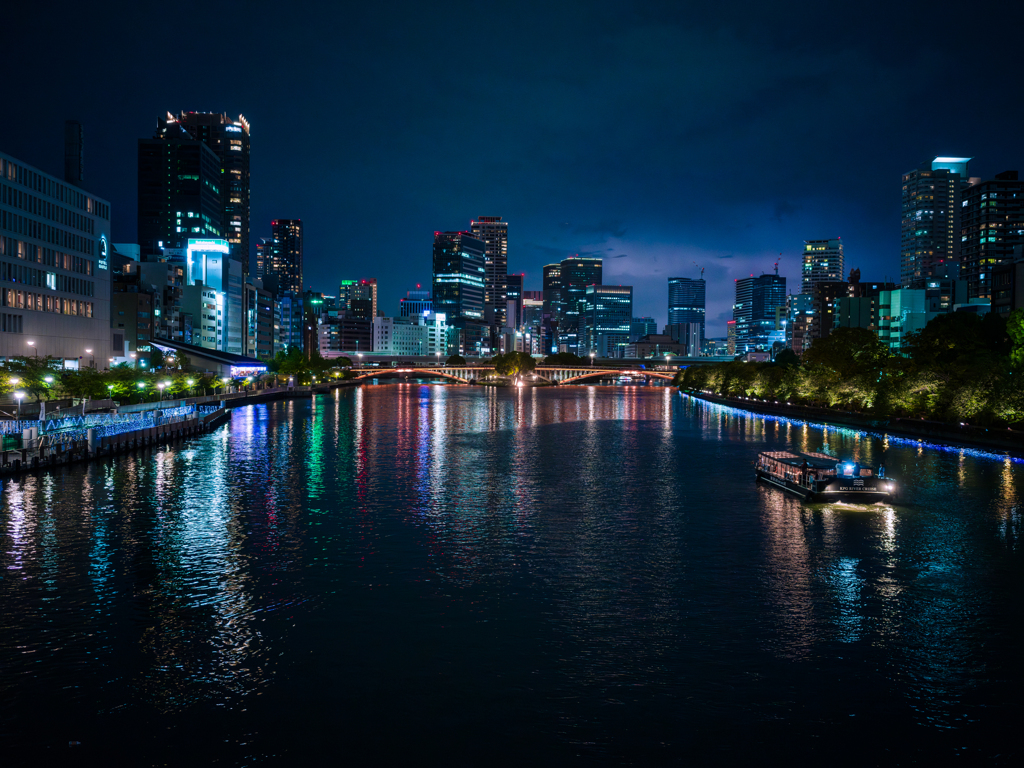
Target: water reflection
605, 548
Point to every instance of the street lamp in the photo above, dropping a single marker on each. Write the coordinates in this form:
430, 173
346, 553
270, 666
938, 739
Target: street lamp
17, 396
34, 348
160, 386
190, 383
92, 362
224, 382
141, 385
48, 379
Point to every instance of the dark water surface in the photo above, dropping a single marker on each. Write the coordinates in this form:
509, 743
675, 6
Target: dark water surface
478, 576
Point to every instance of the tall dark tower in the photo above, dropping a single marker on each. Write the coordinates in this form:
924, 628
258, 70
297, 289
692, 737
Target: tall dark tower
931, 218
577, 272
283, 261
229, 139
74, 158
459, 276
179, 193
494, 234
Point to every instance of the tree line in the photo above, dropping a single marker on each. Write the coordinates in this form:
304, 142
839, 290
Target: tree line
960, 368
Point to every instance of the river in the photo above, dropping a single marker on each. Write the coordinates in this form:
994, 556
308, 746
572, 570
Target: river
475, 575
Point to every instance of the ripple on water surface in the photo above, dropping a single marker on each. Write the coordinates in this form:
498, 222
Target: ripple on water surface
578, 572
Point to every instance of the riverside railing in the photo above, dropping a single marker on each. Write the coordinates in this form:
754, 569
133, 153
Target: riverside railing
76, 428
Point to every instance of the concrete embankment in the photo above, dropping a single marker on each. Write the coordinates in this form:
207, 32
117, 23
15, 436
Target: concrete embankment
95, 440
1002, 439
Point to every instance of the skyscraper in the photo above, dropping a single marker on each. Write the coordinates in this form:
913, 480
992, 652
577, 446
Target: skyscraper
686, 304
992, 226
931, 218
493, 232
607, 316
757, 300
576, 273
179, 194
282, 256
514, 303
823, 262
229, 139
459, 276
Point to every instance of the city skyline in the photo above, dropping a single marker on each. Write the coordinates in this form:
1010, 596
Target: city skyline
612, 158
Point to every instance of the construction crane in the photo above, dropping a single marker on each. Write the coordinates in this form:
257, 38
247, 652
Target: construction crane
698, 266
777, 264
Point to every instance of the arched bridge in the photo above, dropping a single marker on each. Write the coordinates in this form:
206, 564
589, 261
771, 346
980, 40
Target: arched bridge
552, 374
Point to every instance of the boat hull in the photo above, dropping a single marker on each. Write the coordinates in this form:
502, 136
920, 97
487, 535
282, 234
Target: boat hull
860, 491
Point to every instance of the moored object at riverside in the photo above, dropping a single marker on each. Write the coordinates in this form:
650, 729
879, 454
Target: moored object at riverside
820, 477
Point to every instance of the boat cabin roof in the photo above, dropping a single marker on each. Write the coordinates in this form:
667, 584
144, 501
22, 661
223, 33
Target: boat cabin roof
814, 460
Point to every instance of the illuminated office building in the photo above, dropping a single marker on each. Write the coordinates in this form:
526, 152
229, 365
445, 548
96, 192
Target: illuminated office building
459, 276
930, 225
608, 314
686, 305
229, 139
179, 194
577, 272
823, 262
54, 267
992, 225
281, 255
493, 233
754, 312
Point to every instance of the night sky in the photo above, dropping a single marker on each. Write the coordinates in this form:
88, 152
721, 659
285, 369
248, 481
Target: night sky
653, 134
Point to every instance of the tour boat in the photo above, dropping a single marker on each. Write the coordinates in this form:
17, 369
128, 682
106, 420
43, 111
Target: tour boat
820, 477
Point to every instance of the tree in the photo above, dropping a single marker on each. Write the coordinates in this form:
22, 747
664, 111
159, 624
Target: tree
455, 360
1015, 329
787, 357
513, 364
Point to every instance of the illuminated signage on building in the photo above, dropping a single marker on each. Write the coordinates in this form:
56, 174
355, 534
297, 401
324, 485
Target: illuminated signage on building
103, 263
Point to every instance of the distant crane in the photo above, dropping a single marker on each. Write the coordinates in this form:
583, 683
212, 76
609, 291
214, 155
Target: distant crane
777, 264
698, 266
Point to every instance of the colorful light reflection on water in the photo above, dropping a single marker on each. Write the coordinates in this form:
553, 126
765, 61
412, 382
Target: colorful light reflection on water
584, 573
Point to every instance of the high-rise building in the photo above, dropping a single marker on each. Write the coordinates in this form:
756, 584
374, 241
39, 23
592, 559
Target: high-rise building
54, 268
229, 139
282, 257
361, 298
823, 262
642, 326
576, 273
825, 297
514, 300
686, 304
754, 311
992, 225
493, 232
459, 277
179, 194
607, 318
930, 229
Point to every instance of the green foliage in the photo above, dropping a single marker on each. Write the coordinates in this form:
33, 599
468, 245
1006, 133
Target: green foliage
960, 368
1015, 330
455, 360
513, 363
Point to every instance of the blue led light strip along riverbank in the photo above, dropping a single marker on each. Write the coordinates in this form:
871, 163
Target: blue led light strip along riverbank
916, 442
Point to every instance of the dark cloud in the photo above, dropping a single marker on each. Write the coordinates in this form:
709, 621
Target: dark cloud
784, 209
723, 135
620, 256
604, 229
